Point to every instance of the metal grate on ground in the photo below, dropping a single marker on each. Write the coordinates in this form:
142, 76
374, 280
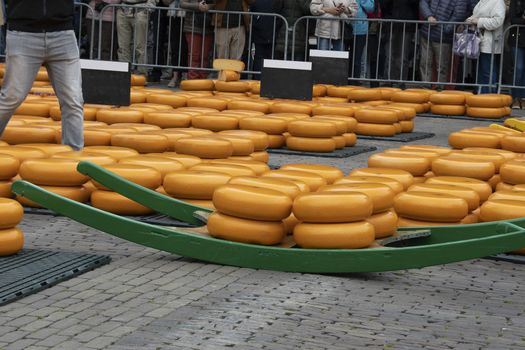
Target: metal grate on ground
462, 117
512, 258
30, 271
404, 137
339, 153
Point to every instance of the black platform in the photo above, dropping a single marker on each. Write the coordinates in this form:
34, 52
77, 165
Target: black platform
462, 117
153, 219
403, 137
30, 271
339, 153
516, 259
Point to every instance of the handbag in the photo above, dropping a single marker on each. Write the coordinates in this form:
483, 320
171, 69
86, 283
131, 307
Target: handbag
466, 44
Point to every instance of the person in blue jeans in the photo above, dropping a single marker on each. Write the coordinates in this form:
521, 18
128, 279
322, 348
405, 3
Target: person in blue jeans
357, 47
41, 32
517, 46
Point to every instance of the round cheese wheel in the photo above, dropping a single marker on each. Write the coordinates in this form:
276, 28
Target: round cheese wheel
172, 100
276, 141
52, 172
329, 173
513, 172
219, 104
186, 160
381, 195
508, 155
49, 149
313, 181
249, 105
215, 122
162, 164
468, 194
410, 97
407, 126
332, 207
454, 166
78, 194
376, 103
258, 138
350, 139
5, 189
33, 109
376, 116
409, 112
244, 230
417, 107
142, 142
339, 91
205, 147
203, 203
188, 131
15, 135
395, 185
261, 156
168, 119
11, 241
316, 127
141, 175
271, 126
402, 176
258, 167
135, 127
138, 80
481, 112
482, 188
96, 138
470, 219
448, 99
318, 90
491, 130
494, 181
197, 85
518, 188
430, 206
193, 184
333, 109
361, 95
415, 165
12, 213
137, 97
289, 117
230, 169
508, 195
287, 187
413, 152
291, 107
252, 203
232, 86
22, 153
353, 235
502, 186
462, 139
486, 101
385, 224
9, 166
349, 123
241, 145
117, 204
114, 152
387, 92
513, 143
437, 149
310, 144
493, 157
120, 115
502, 209
448, 109
375, 129
405, 222
398, 127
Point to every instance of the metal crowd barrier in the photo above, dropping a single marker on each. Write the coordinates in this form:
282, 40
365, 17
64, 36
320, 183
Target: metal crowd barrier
509, 79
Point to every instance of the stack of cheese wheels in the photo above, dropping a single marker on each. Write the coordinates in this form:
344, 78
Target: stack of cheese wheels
105, 199
416, 163
333, 219
249, 214
377, 121
512, 172
488, 105
56, 175
196, 186
11, 237
205, 147
448, 103
497, 157
9, 166
476, 166
316, 135
486, 137
260, 142
400, 176
273, 127
384, 218
514, 143
349, 136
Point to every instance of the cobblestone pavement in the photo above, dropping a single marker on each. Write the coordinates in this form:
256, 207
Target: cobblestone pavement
145, 299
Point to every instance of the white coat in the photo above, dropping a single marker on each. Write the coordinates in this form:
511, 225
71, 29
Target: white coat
330, 29
491, 16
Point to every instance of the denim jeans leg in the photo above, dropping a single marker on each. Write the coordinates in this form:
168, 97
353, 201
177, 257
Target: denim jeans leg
323, 43
518, 55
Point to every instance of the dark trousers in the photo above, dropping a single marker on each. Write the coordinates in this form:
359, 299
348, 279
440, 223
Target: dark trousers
357, 48
109, 42
178, 49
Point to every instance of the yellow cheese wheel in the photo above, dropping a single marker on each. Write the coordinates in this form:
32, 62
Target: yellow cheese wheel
407, 126
375, 129
242, 113
94, 157
138, 80
281, 185
241, 145
162, 164
417, 107
33, 109
376, 116
502, 209
447, 99
261, 156
188, 131
468, 194
494, 181
405, 222
329, 173
455, 166
430, 206
5, 189
332, 207
410, 97
313, 181
114, 152
11, 241
448, 109
167, 99
230, 169
215, 122
245, 231
205, 147
318, 90
413, 152
142, 142
518, 188
350, 139
409, 112
385, 224
395, 185
117, 204
258, 167
361, 95
404, 177
252, 203
311, 144
353, 235
398, 128
339, 91
513, 143
470, 219
502, 186
415, 165
186, 160
481, 112
15, 135
313, 128
79, 194
486, 101
482, 188
387, 92
140, 127
197, 85
195, 110
9, 166
276, 141
333, 109
493, 157
508, 195
48, 148
513, 172
204, 203
96, 138
193, 184
508, 155
271, 126
52, 172
219, 104
291, 107
232, 86
168, 119
437, 149
350, 122
258, 138
463, 139
11, 213
290, 223
120, 115
22, 153
381, 195
137, 97
491, 130
229, 75
249, 105
141, 175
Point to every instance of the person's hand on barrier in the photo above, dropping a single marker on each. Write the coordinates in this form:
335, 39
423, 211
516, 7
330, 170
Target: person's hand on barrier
203, 6
472, 20
336, 11
432, 19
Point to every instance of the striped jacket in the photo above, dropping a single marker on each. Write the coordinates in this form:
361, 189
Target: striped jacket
442, 10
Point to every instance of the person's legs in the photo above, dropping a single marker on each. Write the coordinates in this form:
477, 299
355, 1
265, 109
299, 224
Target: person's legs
222, 42
125, 35
141, 39
518, 78
425, 62
323, 43
358, 47
206, 47
237, 42
63, 66
484, 72
442, 53
25, 54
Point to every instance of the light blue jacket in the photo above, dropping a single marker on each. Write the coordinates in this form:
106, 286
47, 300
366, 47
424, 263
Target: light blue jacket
363, 6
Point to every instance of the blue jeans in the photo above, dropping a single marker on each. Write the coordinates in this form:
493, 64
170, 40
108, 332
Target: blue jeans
325, 43
58, 51
518, 55
485, 76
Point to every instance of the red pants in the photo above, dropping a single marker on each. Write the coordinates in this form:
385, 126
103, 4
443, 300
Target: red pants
198, 54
